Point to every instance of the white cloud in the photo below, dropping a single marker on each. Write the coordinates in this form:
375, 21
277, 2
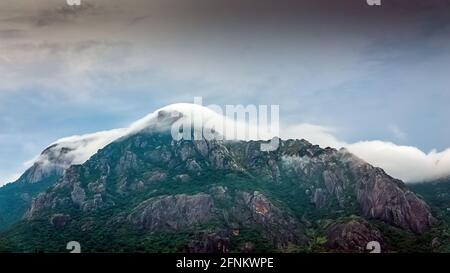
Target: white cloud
406, 163
315, 134
89, 55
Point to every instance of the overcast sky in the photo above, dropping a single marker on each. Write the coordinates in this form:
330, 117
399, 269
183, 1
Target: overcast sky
357, 73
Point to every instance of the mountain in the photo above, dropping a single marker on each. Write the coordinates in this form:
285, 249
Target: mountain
437, 194
15, 198
146, 192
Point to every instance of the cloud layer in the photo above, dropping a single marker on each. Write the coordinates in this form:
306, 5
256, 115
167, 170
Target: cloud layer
406, 163
376, 73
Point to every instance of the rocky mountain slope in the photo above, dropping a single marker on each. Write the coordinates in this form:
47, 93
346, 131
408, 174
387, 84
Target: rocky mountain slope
15, 198
146, 192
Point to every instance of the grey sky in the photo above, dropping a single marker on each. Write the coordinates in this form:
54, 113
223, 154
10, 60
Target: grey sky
370, 73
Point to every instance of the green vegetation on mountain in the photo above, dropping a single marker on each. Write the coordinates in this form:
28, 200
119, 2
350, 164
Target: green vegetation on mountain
149, 193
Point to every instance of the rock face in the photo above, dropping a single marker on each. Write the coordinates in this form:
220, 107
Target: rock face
280, 227
172, 212
210, 243
40, 203
277, 226
78, 195
212, 195
378, 195
16, 197
382, 197
52, 162
352, 235
319, 198
221, 192
59, 220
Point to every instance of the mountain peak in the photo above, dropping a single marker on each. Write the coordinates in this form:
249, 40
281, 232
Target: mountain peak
78, 149
146, 181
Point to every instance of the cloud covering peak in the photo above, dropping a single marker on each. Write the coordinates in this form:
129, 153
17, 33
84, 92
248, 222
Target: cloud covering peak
409, 164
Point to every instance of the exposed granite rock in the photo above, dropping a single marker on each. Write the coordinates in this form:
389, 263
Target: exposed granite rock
202, 147
319, 198
343, 175
155, 176
96, 203
186, 151
41, 202
250, 155
97, 187
210, 243
335, 182
52, 162
183, 178
173, 212
383, 197
127, 161
352, 235
193, 166
279, 227
78, 194
219, 191
323, 176
59, 220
